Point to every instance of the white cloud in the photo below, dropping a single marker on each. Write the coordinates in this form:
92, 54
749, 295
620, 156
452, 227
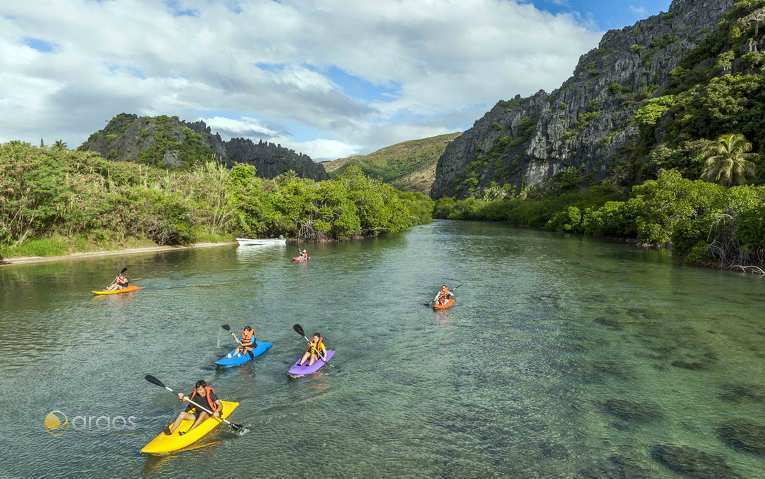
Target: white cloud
245, 127
320, 148
261, 71
639, 10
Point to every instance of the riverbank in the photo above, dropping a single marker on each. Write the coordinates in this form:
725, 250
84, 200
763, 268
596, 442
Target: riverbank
101, 254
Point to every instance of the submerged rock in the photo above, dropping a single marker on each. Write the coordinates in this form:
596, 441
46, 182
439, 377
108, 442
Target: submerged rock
692, 462
615, 467
737, 393
609, 322
630, 411
744, 436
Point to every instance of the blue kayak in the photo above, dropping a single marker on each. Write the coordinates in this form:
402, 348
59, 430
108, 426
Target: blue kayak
232, 359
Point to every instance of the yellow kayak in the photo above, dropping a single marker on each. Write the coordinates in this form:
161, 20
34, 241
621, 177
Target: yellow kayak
164, 444
129, 289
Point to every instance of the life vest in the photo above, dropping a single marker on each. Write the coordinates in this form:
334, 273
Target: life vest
212, 405
247, 337
319, 347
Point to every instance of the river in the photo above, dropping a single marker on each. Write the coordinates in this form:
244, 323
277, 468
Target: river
564, 357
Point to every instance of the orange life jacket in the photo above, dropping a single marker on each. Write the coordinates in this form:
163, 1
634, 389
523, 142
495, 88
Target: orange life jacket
247, 337
212, 405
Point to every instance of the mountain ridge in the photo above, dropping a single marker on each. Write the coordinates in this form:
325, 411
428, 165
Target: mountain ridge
174, 143
408, 165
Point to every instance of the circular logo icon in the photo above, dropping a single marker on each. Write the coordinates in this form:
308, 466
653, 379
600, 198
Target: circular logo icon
55, 421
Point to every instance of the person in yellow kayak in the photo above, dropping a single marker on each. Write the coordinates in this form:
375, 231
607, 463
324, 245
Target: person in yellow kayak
120, 282
316, 349
204, 395
248, 342
443, 295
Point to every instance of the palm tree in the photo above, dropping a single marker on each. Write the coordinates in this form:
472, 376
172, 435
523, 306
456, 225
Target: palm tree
60, 145
727, 161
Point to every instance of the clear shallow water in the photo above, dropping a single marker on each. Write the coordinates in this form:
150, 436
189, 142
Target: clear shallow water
522, 379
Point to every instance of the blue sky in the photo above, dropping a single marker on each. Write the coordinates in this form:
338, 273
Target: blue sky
329, 78
606, 15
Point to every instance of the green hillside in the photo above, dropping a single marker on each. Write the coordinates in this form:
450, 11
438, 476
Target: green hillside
410, 166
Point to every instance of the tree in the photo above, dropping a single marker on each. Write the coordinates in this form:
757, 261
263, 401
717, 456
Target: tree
728, 161
60, 145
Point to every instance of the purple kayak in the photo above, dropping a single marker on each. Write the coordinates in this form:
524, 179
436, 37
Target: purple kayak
300, 371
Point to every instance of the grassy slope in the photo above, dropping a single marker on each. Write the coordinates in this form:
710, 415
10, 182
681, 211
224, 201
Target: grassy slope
410, 166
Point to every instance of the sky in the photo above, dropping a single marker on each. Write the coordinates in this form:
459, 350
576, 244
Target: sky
328, 78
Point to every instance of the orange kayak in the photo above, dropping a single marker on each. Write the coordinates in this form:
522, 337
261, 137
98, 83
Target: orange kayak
129, 289
448, 304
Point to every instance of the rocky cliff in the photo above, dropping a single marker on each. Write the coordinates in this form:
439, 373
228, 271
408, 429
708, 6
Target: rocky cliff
587, 122
173, 143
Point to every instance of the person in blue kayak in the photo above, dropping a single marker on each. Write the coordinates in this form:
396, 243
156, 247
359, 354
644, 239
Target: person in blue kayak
247, 343
316, 350
204, 395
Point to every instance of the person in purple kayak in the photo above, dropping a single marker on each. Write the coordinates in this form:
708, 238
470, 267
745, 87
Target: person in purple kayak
316, 350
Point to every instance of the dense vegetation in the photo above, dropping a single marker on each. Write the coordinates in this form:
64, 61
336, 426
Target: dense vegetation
410, 166
688, 181
704, 222
53, 200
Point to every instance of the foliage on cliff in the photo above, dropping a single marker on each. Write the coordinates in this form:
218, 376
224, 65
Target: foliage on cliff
169, 142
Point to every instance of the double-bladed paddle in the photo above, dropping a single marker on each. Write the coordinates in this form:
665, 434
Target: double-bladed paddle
234, 426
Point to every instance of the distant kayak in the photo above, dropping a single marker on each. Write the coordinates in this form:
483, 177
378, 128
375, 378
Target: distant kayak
448, 304
231, 359
164, 444
300, 259
129, 289
306, 370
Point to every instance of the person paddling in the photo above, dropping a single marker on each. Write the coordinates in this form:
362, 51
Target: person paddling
316, 350
120, 282
443, 295
247, 343
204, 395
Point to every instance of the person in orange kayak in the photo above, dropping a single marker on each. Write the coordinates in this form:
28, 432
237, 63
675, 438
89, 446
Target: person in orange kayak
316, 349
443, 295
305, 255
248, 342
120, 282
204, 395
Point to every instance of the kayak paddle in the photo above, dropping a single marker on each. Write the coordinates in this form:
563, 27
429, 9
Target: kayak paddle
299, 329
234, 426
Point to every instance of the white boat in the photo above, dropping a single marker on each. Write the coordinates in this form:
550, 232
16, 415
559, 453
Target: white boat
261, 241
